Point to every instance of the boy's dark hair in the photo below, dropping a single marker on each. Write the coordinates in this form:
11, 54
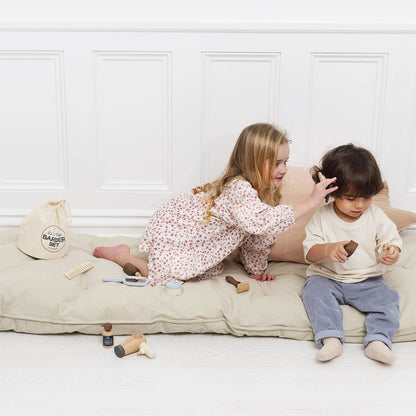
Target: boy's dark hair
355, 168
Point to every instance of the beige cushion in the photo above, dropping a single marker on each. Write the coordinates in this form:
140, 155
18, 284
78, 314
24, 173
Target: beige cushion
36, 297
297, 186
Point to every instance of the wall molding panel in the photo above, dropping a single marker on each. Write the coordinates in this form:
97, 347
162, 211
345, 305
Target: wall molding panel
411, 178
355, 83
133, 111
33, 122
228, 78
117, 117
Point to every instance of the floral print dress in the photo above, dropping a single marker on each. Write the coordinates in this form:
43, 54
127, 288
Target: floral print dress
182, 245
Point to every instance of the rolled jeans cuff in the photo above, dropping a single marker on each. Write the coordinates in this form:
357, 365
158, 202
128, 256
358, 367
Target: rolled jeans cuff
329, 333
378, 337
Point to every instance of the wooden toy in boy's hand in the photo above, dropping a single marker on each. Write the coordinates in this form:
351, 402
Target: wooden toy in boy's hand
386, 250
331, 185
241, 287
351, 247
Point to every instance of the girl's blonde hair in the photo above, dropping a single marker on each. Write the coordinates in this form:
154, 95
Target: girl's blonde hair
256, 145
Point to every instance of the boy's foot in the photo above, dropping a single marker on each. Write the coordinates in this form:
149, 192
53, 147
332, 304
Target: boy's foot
379, 351
332, 348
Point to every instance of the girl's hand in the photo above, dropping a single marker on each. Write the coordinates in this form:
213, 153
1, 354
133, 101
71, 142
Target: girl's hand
316, 197
336, 251
392, 256
320, 192
263, 277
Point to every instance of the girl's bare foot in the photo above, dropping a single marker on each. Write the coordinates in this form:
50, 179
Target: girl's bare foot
118, 254
121, 255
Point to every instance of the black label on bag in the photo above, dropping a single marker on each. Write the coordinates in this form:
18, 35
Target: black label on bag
53, 238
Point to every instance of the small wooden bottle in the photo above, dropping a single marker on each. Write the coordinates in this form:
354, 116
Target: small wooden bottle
108, 335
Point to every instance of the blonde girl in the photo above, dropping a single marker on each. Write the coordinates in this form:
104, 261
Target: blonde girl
191, 235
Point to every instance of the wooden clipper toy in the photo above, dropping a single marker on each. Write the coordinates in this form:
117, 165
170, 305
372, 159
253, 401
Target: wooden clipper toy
241, 287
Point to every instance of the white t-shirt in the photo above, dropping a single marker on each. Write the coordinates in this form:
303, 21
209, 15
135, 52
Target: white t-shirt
371, 230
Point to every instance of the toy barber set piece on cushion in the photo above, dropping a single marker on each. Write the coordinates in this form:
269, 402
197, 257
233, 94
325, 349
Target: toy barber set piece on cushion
50, 282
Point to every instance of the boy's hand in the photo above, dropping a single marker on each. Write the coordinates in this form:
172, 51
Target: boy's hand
336, 251
390, 254
263, 277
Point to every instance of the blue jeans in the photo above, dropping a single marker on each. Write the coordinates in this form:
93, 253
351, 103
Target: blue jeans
322, 298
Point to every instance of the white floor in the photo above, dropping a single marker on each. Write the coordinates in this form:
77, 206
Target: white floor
199, 375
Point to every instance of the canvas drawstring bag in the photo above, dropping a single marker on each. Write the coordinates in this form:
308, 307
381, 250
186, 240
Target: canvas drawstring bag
43, 233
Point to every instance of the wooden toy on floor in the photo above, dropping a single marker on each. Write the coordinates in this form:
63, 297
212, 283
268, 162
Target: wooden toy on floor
108, 335
131, 270
76, 271
134, 343
351, 247
241, 287
331, 185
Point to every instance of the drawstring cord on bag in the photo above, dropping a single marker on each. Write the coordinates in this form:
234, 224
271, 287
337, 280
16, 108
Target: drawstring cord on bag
66, 207
68, 210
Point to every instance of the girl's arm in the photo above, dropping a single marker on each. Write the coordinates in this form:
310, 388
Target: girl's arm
253, 254
316, 198
334, 251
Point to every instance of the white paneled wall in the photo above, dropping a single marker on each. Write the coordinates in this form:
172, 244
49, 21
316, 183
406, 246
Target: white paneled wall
116, 118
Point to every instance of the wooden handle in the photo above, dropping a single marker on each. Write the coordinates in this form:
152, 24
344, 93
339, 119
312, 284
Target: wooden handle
231, 280
131, 270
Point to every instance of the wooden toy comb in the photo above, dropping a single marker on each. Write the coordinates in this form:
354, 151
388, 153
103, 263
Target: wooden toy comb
76, 271
331, 185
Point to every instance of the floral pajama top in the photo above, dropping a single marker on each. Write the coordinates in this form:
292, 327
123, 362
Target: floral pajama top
182, 246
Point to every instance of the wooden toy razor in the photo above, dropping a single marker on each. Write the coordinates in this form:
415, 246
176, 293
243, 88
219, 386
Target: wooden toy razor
331, 185
241, 287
